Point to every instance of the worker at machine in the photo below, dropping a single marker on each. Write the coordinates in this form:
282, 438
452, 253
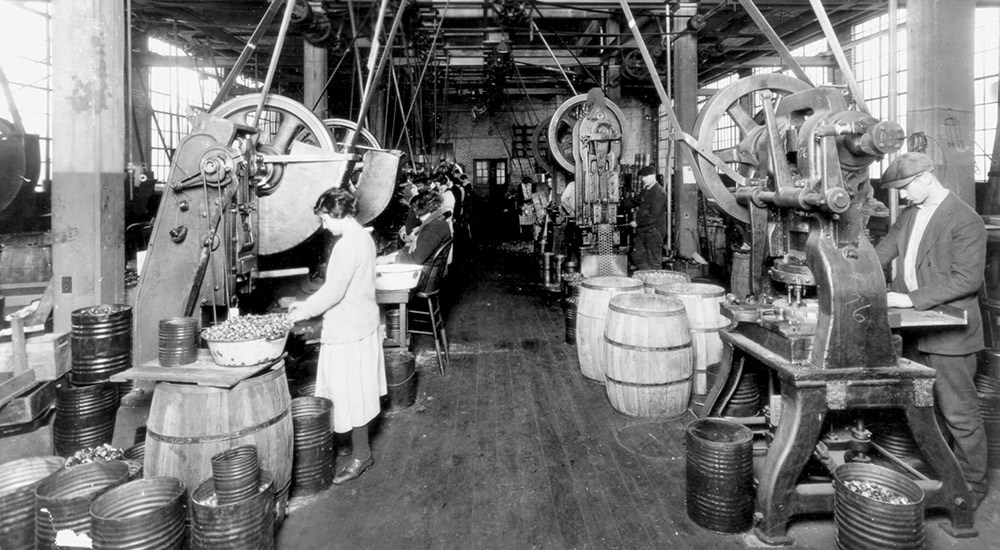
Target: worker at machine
351, 369
942, 243
428, 236
650, 221
540, 199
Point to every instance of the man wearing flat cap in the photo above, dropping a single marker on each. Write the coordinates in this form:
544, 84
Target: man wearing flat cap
650, 221
941, 241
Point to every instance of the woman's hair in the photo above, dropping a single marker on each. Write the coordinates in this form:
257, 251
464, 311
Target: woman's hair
337, 203
426, 202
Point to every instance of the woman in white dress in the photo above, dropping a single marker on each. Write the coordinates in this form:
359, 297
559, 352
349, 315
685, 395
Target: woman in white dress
351, 369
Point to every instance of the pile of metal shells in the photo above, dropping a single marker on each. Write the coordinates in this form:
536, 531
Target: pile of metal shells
249, 327
876, 491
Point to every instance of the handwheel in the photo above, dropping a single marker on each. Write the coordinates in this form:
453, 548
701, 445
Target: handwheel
735, 103
561, 128
287, 191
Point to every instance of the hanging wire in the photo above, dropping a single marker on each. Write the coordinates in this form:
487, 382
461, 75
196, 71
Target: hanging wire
565, 45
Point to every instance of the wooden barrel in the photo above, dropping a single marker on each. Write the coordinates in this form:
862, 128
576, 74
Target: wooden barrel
653, 278
591, 313
190, 424
739, 275
701, 302
649, 360
26, 258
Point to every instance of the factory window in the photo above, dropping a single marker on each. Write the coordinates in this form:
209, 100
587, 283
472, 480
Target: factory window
867, 47
171, 91
487, 172
26, 58
987, 69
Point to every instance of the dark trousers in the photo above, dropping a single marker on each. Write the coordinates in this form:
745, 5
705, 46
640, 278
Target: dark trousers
647, 250
958, 414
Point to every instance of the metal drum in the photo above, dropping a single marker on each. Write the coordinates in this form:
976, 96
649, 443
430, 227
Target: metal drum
401, 378
18, 480
238, 526
146, 514
178, 341
746, 397
62, 500
720, 493
101, 342
569, 312
313, 460
236, 473
85, 416
864, 519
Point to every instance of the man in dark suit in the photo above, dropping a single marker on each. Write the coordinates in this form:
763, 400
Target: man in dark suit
650, 221
941, 242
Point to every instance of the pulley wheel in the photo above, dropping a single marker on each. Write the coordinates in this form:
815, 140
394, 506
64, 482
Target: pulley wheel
540, 145
731, 105
342, 129
288, 190
565, 118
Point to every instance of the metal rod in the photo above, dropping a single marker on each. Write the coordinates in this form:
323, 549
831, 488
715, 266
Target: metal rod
554, 58
275, 55
248, 50
893, 99
357, 48
373, 52
838, 53
399, 102
775, 40
329, 81
423, 71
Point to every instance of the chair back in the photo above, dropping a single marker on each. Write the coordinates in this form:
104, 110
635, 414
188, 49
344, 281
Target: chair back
434, 271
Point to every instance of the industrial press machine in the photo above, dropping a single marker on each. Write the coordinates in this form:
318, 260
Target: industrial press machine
818, 324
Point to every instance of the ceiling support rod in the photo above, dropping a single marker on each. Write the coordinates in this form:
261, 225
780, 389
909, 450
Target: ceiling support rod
554, 58
423, 71
275, 55
248, 50
838, 53
775, 40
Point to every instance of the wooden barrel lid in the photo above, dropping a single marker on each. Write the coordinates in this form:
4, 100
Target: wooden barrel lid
612, 283
646, 305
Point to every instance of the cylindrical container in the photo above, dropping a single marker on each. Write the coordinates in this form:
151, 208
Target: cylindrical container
146, 514
990, 365
720, 494
136, 452
990, 309
987, 385
745, 400
401, 378
648, 356
571, 283
591, 314
18, 480
85, 416
989, 408
701, 302
546, 267
652, 278
244, 525
235, 472
178, 341
739, 276
306, 390
189, 424
101, 342
62, 500
392, 321
312, 464
862, 521
569, 311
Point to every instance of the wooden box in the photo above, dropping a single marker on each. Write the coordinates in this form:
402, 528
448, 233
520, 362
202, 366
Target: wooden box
48, 355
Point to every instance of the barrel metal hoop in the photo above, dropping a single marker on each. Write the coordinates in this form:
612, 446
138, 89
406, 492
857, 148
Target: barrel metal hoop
642, 348
634, 313
649, 384
174, 440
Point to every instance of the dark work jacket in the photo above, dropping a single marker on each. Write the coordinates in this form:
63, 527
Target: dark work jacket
950, 264
652, 205
431, 233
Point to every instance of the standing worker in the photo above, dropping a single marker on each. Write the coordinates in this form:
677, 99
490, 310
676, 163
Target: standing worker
942, 243
351, 369
650, 221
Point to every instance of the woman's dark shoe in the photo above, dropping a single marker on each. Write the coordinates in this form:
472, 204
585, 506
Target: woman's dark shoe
353, 469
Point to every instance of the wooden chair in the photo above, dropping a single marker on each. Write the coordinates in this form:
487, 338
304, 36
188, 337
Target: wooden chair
430, 321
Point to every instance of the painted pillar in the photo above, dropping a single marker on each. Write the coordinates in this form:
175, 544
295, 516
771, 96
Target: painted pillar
88, 152
685, 80
314, 74
940, 98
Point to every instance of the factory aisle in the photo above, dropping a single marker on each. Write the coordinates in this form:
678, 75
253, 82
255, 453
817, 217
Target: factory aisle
513, 449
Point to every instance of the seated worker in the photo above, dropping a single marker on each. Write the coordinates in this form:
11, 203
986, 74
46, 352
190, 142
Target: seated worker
942, 243
432, 231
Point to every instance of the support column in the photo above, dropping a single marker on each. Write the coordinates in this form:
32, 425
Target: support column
614, 71
940, 98
685, 80
314, 75
88, 155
